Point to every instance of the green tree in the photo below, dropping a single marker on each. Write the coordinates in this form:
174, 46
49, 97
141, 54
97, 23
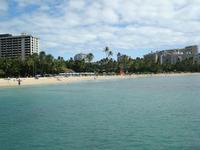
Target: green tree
106, 50
90, 57
110, 54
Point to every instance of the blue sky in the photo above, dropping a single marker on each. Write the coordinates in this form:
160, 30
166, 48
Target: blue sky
132, 27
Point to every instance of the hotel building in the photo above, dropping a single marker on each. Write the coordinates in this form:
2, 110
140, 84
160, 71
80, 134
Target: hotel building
80, 56
172, 56
18, 46
196, 59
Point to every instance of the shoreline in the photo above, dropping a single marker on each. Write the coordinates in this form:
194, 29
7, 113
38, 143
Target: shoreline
12, 82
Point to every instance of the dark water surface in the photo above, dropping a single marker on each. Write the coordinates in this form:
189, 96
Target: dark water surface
157, 113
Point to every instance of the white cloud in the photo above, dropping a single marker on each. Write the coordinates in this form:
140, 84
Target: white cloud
23, 3
3, 7
123, 24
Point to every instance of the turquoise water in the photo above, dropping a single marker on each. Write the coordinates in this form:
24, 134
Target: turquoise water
157, 113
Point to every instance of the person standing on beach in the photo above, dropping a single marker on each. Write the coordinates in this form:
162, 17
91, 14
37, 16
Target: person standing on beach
19, 81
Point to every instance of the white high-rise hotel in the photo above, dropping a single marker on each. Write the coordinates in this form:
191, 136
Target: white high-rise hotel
18, 46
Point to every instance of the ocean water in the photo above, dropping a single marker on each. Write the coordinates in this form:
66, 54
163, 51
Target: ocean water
155, 113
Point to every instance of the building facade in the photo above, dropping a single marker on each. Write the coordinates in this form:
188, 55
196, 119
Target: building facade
18, 46
196, 59
80, 56
172, 56
123, 58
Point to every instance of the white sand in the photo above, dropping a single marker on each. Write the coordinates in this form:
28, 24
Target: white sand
55, 80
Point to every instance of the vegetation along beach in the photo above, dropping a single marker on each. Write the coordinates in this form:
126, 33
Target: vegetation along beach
99, 75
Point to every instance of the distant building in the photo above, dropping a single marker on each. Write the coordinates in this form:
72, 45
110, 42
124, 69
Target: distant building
123, 57
172, 56
196, 59
18, 46
80, 57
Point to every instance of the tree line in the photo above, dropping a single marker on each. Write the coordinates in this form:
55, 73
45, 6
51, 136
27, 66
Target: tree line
35, 64
45, 64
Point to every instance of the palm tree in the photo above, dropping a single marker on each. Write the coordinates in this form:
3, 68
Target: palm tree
60, 58
2, 73
90, 57
118, 55
49, 61
7, 66
106, 50
110, 53
42, 57
35, 58
30, 65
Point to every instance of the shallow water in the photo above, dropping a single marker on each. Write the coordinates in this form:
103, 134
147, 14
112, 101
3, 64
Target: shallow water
155, 113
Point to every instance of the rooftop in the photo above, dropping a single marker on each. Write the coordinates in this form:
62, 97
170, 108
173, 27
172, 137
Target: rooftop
11, 36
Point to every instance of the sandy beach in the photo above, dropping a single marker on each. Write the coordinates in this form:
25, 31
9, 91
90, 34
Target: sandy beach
12, 82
